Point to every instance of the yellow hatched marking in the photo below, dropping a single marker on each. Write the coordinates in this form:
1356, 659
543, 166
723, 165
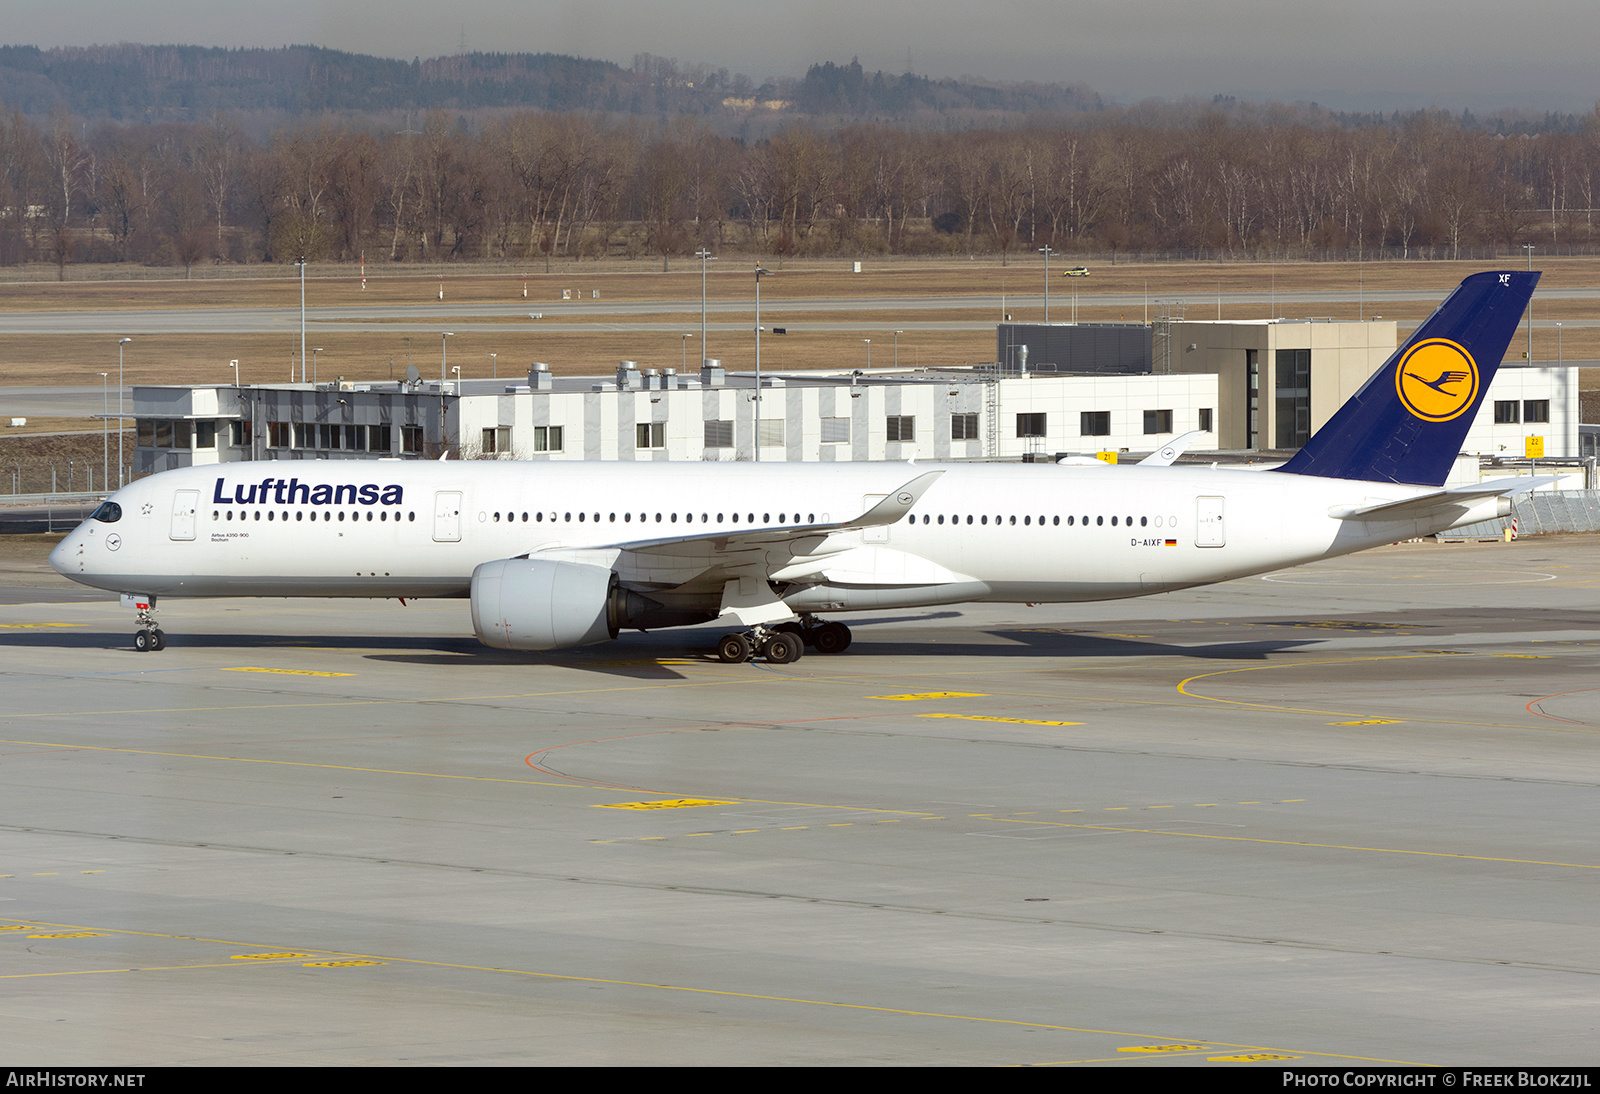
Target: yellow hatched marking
916, 696
271, 956
70, 934
1371, 722
286, 672
339, 964
992, 718
666, 803
1163, 1048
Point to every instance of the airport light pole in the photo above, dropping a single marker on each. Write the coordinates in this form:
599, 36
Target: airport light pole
704, 256
105, 427
1529, 248
120, 389
897, 335
760, 269
444, 351
1047, 252
686, 338
494, 366
868, 341
314, 351
301, 262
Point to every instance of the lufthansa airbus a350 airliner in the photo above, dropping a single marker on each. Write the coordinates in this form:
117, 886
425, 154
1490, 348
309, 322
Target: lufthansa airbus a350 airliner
555, 555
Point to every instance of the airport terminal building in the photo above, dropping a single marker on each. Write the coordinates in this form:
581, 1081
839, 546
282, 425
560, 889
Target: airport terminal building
1063, 388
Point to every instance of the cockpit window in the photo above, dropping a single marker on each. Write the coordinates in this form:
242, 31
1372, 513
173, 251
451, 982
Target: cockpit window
108, 513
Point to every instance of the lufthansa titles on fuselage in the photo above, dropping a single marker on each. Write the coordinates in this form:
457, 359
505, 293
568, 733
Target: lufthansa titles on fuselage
271, 491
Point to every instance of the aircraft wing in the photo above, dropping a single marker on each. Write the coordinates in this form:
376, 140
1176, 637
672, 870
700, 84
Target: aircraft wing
741, 563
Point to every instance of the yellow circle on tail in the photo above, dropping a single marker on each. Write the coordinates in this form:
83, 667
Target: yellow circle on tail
1437, 380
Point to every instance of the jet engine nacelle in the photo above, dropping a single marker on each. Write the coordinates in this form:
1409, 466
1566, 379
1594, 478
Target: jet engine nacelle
539, 604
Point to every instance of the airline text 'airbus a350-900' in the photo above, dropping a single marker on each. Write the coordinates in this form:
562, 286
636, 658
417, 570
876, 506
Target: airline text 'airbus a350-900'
558, 555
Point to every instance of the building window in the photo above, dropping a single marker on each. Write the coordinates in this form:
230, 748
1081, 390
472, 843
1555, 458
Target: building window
205, 434
1292, 391
411, 439
1158, 421
378, 438
1094, 423
836, 431
1029, 425
902, 428
497, 440
547, 438
719, 434
1505, 412
1205, 419
278, 434
1536, 410
769, 433
964, 427
242, 433
650, 435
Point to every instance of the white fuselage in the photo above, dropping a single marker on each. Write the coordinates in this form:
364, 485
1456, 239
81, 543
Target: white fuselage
997, 532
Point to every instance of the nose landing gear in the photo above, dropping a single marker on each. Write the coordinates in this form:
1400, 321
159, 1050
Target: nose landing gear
149, 637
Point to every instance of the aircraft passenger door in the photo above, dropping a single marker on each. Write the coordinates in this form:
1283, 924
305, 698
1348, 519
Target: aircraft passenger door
184, 504
879, 534
1209, 531
447, 516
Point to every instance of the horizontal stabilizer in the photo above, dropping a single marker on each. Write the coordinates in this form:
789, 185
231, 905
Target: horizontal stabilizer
1426, 505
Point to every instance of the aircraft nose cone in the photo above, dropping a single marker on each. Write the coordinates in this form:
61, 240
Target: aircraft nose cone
61, 557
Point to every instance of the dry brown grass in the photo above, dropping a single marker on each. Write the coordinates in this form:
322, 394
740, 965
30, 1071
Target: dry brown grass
203, 358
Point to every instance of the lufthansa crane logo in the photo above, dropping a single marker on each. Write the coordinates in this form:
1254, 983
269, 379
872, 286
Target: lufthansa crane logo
1437, 380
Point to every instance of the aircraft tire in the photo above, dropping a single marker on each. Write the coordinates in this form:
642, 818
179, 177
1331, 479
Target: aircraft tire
158, 640
831, 638
733, 649
143, 641
783, 648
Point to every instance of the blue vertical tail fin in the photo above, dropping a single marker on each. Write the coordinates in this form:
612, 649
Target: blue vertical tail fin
1408, 421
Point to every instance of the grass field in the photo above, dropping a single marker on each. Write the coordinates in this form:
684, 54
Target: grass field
191, 359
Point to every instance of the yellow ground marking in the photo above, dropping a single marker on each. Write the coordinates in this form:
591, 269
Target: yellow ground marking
716, 992
70, 934
1252, 1056
918, 696
1183, 689
286, 672
272, 956
1166, 1048
992, 718
666, 803
1300, 843
30, 626
346, 964
1525, 656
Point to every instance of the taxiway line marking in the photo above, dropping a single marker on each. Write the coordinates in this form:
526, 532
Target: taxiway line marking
722, 993
1299, 843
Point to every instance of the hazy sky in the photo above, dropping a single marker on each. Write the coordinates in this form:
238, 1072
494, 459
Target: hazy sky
1536, 54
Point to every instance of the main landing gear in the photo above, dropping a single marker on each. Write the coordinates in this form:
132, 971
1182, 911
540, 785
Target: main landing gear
783, 644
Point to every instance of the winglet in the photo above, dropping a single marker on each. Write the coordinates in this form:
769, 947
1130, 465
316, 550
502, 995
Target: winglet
894, 507
1167, 454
